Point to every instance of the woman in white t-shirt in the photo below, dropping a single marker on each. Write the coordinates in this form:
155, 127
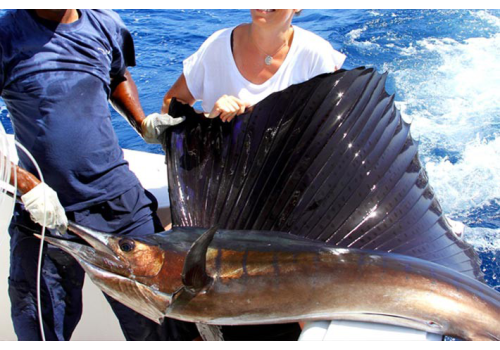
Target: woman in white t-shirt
238, 67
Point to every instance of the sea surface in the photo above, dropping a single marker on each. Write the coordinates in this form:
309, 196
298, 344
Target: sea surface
443, 67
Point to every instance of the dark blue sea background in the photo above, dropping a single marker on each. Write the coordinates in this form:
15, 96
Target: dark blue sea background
443, 67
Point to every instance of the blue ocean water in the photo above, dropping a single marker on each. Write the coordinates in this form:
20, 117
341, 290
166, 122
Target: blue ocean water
443, 69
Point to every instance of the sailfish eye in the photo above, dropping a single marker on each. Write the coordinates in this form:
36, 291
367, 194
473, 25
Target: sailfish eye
127, 245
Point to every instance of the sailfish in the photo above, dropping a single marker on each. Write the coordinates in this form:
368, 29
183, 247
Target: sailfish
313, 205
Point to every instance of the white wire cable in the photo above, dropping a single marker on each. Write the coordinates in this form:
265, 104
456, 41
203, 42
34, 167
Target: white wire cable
5, 188
7, 191
6, 204
40, 253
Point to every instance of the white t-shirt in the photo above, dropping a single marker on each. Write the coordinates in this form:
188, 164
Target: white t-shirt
211, 72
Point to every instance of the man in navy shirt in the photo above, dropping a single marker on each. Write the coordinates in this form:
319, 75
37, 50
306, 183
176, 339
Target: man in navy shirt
58, 69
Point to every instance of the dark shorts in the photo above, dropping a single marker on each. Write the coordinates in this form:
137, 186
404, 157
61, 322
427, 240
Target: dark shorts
62, 277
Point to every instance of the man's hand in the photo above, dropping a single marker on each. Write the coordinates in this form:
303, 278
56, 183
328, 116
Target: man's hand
44, 207
155, 124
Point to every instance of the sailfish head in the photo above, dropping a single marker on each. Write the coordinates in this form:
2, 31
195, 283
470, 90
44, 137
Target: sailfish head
133, 270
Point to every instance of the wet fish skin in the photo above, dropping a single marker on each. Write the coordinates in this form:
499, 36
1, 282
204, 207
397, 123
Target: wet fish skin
256, 277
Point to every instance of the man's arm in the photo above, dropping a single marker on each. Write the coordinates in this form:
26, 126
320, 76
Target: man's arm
26, 181
125, 100
39, 199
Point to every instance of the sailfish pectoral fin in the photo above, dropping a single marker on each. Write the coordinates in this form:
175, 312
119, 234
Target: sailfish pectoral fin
194, 274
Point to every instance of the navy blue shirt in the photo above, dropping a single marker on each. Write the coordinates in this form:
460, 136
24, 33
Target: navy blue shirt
55, 81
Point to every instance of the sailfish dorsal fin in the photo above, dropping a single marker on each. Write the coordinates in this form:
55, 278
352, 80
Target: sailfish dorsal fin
330, 159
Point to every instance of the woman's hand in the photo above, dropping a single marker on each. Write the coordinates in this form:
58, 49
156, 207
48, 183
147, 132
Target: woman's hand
227, 107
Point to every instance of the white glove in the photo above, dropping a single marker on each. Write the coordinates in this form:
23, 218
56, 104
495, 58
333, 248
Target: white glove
44, 207
155, 124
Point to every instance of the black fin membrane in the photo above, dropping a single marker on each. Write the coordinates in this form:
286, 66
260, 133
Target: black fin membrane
330, 159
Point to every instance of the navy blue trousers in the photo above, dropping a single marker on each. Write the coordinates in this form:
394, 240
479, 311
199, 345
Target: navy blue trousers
62, 277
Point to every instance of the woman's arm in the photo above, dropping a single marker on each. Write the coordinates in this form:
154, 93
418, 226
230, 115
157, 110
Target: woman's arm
180, 91
227, 107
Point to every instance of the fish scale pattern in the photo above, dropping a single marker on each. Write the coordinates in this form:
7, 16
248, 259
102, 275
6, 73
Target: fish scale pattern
330, 159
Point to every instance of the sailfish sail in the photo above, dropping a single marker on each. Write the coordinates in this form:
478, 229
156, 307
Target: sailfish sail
330, 159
